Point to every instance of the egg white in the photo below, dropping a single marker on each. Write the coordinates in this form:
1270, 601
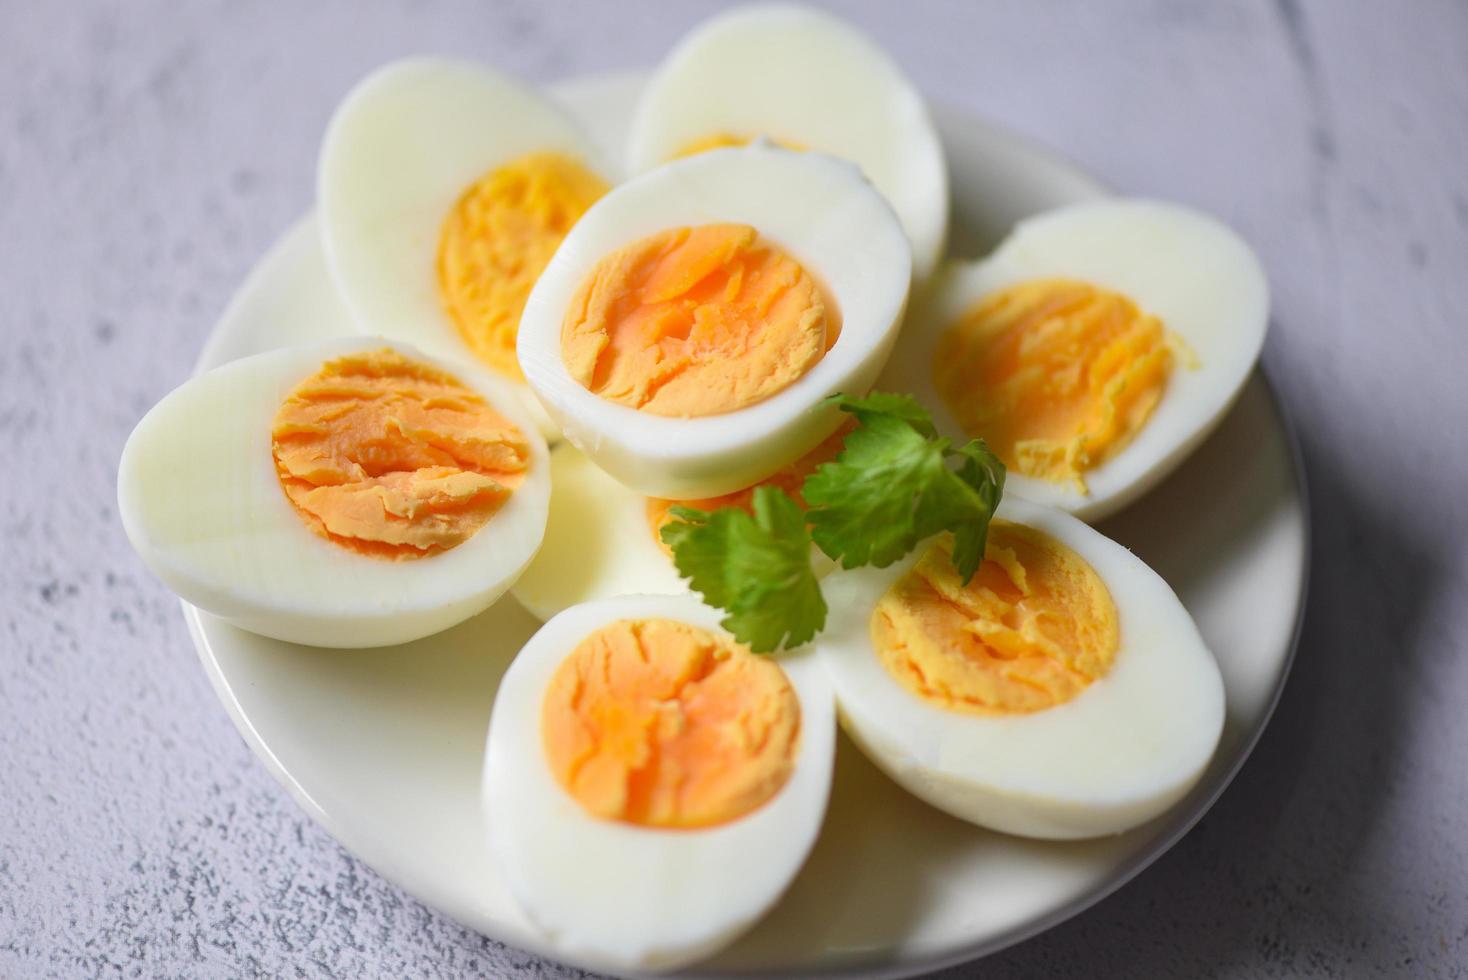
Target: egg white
617, 896
1188, 269
1121, 752
401, 149
597, 542
798, 74
202, 505
816, 208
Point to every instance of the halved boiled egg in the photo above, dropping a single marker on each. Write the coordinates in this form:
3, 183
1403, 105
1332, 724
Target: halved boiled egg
342, 494
690, 325
443, 189
650, 786
1093, 350
809, 81
1064, 692
603, 538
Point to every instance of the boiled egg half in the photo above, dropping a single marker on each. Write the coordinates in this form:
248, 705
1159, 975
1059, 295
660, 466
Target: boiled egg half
443, 189
689, 327
1095, 348
343, 494
1064, 692
650, 786
808, 81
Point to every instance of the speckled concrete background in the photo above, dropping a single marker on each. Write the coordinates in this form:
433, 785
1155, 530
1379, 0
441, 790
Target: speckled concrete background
149, 152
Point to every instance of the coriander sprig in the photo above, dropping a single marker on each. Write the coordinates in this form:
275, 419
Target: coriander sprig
894, 483
754, 567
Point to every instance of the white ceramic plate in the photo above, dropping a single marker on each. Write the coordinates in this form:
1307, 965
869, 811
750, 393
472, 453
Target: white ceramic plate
383, 747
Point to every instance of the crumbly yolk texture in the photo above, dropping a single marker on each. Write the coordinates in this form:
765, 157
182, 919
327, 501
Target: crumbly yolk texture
1032, 629
1055, 375
662, 724
497, 240
789, 479
696, 321
393, 458
723, 140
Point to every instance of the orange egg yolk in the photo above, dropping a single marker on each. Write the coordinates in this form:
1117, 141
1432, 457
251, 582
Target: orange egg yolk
393, 458
1032, 629
722, 140
789, 479
497, 240
662, 724
696, 321
1055, 375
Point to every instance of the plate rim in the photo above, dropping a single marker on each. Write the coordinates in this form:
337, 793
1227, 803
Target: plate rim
889, 962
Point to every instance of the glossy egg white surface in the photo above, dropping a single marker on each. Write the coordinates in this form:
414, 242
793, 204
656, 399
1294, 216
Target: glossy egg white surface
1119, 753
814, 207
597, 542
616, 896
201, 503
401, 148
807, 78
1188, 269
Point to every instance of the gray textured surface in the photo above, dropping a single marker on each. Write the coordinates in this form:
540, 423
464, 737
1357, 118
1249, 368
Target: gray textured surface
150, 152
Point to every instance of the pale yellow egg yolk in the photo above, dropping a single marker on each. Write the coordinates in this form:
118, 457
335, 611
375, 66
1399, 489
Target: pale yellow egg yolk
393, 458
696, 321
722, 140
497, 240
1032, 629
789, 479
1055, 375
662, 724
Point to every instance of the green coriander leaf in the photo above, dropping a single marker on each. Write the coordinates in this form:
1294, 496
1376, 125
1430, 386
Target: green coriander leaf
904, 407
981, 469
700, 542
965, 502
863, 505
756, 568
896, 482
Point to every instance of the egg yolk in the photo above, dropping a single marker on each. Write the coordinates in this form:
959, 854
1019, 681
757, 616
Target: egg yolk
789, 479
392, 458
1055, 375
497, 240
1032, 629
696, 321
662, 724
722, 140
